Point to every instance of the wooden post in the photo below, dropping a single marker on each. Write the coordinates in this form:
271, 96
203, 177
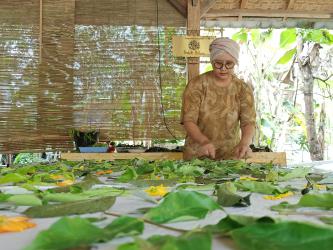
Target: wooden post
193, 29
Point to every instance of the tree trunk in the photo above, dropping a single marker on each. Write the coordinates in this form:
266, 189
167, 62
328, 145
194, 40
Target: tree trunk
304, 64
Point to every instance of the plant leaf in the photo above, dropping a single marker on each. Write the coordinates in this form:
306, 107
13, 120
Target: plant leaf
260, 187
322, 200
232, 222
12, 178
227, 196
192, 240
287, 56
67, 233
79, 232
25, 200
287, 36
128, 175
283, 236
182, 203
124, 226
75, 207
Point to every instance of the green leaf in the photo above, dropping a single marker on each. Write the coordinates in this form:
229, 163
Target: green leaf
77, 232
284, 207
287, 56
192, 240
227, 196
85, 184
90, 194
287, 36
232, 222
128, 175
12, 178
75, 207
283, 236
327, 220
240, 36
319, 36
25, 200
67, 233
299, 172
322, 200
182, 203
124, 226
260, 187
4, 197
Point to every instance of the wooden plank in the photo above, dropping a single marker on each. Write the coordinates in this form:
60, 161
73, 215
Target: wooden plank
193, 29
121, 156
179, 7
214, 14
277, 158
207, 5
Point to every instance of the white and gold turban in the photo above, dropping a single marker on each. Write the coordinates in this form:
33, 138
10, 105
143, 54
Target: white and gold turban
222, 45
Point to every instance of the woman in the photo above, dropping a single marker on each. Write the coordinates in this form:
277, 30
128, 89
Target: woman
216, 106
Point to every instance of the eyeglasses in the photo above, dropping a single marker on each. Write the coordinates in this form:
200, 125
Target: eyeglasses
226, 64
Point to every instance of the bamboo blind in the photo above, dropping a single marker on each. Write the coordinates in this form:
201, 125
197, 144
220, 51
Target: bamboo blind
85, 64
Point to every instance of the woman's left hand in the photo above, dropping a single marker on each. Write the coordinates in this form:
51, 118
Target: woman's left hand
242, 150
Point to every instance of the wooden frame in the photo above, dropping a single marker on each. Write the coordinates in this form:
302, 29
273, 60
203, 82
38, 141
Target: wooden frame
215, 14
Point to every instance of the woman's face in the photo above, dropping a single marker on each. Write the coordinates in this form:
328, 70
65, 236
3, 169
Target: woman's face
223, 66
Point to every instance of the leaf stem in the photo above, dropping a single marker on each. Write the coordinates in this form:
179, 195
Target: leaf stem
149, 222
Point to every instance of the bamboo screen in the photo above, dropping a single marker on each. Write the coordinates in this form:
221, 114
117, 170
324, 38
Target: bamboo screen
87, 65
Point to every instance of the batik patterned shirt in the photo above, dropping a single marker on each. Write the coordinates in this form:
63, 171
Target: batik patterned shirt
219, 112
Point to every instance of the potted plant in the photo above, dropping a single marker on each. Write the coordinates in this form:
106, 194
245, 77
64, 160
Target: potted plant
85, 140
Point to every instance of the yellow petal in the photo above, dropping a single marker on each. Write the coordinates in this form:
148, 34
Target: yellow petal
319, 187
65, 183
157, 190
104, 172
278, 196
247, 178
14, 224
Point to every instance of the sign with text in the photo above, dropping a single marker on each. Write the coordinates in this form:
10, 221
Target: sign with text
191, 46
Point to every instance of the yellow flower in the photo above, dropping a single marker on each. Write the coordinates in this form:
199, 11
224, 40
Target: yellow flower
319, 187
278, 196
65, 183
14, 224
56, 177
157, 190
247, 178
104, 172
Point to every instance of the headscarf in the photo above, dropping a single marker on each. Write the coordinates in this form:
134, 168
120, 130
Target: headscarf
221, 45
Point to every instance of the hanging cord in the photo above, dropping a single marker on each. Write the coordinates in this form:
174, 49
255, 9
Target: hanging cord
160, 74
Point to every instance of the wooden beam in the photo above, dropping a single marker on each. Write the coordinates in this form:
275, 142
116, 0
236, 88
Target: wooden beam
207, 5
242, 5
193, 29
179, 7
290, 6
268, 13
276, 158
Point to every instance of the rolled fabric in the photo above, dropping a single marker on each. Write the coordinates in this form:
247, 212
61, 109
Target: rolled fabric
224, 44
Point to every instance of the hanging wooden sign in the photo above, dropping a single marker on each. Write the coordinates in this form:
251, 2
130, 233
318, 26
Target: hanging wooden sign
191, 46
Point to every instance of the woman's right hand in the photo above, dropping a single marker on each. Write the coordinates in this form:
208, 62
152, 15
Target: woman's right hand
207, 149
